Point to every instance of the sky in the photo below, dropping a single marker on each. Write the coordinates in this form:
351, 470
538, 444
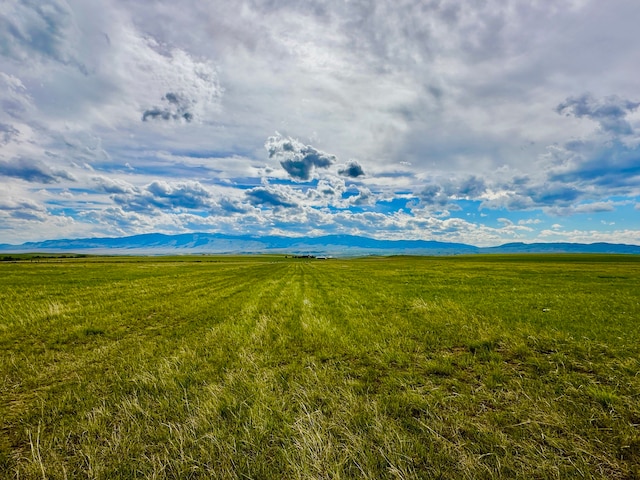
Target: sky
478, 121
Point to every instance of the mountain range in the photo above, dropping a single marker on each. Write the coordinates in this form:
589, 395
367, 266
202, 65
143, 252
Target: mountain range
335, 245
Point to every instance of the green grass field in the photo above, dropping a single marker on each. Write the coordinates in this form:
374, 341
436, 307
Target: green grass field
266, 367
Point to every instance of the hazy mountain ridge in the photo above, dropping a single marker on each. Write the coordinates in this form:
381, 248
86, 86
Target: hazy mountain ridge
564, 247
157, 243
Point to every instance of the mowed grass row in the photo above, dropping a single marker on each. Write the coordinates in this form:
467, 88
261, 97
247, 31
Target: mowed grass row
266, 367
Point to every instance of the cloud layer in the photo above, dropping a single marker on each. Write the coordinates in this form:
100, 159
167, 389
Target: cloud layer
297, 159
480, 122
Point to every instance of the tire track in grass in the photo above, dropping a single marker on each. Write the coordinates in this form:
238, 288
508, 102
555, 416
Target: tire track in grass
338, 425
268, 403
231, 416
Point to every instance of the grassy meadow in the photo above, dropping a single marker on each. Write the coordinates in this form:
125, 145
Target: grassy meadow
268, 367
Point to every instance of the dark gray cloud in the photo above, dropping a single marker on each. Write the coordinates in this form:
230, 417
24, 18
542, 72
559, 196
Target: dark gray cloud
471, 187
545, 191
433, 195
442, 192
269, 197
352, 169
556, 193
28, 215
610, 112
524, 193
297, 159
33, 171
230, 205
609, 164
177, 107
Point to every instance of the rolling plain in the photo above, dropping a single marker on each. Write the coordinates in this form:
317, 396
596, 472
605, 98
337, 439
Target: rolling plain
496, 366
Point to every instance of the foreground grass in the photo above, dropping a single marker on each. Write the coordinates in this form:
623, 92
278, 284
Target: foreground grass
478, 367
